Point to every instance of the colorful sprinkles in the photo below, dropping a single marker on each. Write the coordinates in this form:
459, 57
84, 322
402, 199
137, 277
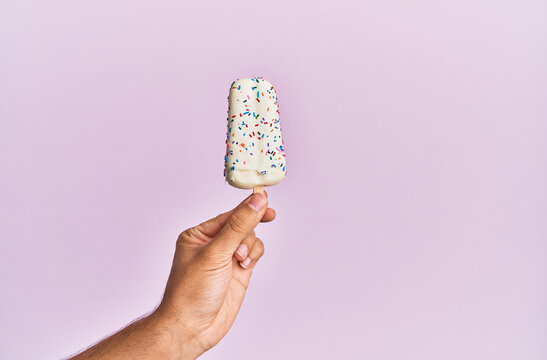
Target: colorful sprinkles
244, 114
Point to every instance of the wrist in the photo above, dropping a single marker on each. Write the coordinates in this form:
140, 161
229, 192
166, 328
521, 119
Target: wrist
178, 343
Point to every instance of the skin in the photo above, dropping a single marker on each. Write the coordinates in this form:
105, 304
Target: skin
211, 271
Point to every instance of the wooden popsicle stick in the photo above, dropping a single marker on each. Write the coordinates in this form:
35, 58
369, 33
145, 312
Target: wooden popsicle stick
258, 189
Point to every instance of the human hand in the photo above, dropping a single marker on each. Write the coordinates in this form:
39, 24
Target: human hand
211, 270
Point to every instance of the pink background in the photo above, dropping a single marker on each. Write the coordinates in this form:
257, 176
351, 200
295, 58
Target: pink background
412, 223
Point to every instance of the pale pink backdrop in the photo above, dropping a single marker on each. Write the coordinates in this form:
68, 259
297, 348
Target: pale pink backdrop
412, 223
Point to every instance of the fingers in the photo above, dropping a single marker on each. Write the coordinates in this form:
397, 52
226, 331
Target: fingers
269, 215
213, 226
240, 224
247, 244
254, 255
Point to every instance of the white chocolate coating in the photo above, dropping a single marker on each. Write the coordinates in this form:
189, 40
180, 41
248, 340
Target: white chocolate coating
254, 146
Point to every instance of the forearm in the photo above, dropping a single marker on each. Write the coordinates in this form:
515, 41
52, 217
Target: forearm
146, 338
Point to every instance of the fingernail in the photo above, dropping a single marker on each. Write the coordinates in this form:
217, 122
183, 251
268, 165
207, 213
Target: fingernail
257, 202
245, 263
242, 250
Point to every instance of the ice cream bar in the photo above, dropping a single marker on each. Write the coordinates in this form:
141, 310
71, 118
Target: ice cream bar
255, 156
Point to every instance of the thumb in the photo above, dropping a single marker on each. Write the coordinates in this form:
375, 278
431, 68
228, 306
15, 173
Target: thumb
242, 222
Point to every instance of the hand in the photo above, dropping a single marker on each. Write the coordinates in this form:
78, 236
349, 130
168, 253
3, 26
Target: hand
211, 271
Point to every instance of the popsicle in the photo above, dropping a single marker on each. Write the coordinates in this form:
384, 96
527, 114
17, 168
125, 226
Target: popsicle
255, 156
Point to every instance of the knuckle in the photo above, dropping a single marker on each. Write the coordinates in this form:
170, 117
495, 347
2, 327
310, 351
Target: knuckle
250, 240
182, 236
238, 224
218, 220
260, 246
186, 236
